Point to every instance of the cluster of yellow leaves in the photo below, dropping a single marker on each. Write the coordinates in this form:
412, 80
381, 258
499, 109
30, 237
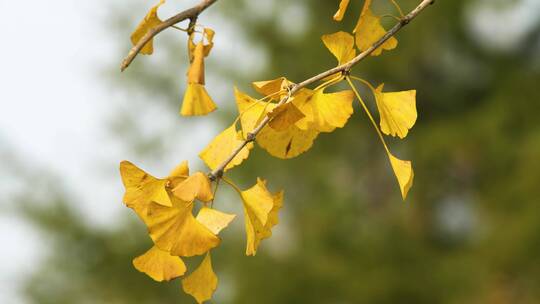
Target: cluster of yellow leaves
196, 100
166, 206
397, 110
368, 28
284, 124
293, 126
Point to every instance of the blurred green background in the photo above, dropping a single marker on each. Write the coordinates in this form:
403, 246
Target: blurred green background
468, 233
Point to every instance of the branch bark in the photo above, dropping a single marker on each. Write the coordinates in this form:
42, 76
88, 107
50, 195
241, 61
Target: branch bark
344, 68
191, 14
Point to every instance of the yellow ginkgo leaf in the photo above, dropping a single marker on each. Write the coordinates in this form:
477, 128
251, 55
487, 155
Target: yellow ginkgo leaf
222, 147
284, 116
404, 174
260, 209
196, 99
283, 144
286, 144
397, 111
150, 21
197, 186
175, 230
369, 29
272, 87
160, 265
209, 35
251, 111
142, 188
178, 174
342, 9
324, 111
273, 216
202, 283
214, 220
341, 45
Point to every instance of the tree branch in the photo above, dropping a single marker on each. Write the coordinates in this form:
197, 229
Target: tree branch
191, 13
344, 68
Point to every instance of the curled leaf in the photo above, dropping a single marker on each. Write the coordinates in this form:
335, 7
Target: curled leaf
404, 174
261, 213
175, 230
196, 99
150, 21
202, 283
342, 9
369, 30
397, 111
207, 47
160, 265
341, 45
222, 147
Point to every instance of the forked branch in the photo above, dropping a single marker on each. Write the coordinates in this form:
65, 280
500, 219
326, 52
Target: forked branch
344, 69
191, 14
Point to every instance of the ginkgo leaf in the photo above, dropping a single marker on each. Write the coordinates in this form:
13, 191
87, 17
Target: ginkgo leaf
273, 216
197, 186
404, 174
341, 45
284, 116
142, 188
286, 144
175, 230
197, 101
342, 9
209, 35
181, 171
202, 283
272, 87
260, 209
150, 21
282, 144
222, 147
397, 111
214, 220
369, 29
251, 111
160, 265
196, 69
178, 174
324, 112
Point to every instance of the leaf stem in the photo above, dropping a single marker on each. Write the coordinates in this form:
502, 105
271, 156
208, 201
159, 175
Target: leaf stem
363, 104
397, 7
232, 184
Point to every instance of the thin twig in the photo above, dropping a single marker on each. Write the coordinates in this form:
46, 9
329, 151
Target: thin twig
344, 69
191, 14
